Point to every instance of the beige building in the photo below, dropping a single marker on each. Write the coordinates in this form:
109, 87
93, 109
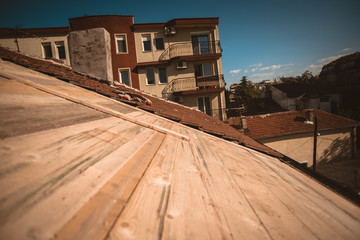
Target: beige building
48, 43
181, 60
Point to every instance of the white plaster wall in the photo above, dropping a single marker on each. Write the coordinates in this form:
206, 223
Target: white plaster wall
331, 144
279, 97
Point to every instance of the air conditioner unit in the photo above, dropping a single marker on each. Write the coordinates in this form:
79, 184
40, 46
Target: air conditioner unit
170, 31
181, 65
179, 99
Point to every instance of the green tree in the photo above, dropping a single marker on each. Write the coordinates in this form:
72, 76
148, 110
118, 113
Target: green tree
246, 91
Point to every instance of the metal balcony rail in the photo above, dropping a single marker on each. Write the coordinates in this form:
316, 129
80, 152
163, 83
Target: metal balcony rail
192, 83
178, 85
210, 81
190, 48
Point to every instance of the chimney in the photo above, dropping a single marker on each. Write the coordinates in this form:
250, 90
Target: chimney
243, 123
309, 114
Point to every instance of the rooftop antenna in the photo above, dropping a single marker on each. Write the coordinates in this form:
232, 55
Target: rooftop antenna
16, 37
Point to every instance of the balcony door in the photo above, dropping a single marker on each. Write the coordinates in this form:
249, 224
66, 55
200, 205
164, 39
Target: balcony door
200, 44
204, 105
202, 70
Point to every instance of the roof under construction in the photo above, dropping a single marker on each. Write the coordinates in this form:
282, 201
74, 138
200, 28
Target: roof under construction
79, 165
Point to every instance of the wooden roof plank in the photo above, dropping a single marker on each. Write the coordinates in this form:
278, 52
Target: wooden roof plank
189, 214
96, 218
286, 196
233, 210
67, 188
41, 158
144, 215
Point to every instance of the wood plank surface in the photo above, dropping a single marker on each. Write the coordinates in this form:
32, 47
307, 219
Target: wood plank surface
127, 174
64, 184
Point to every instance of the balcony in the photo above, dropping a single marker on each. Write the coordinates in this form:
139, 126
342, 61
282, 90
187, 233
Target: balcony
191, 49
192, 85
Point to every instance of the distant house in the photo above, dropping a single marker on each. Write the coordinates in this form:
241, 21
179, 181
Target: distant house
344, 74
287, 133
232, 95
296, 96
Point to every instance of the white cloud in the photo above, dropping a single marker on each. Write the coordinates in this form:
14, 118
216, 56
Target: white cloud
262, 76
254, 69
345, 50
329, 59
245, 71
236, 71
315, 69
274, 67
257, 65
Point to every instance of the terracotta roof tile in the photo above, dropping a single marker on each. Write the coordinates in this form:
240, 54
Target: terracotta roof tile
167, 109
291, 122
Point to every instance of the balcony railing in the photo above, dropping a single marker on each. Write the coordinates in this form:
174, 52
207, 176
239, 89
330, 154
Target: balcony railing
190, 48
210, 81
192, 83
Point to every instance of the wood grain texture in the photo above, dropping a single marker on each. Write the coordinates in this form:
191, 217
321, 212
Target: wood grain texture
111, 178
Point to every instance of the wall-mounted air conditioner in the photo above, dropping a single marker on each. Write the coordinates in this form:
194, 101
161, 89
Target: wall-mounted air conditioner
181, 65
170, 31
179, 99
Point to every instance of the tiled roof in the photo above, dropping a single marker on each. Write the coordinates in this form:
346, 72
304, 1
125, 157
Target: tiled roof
293, 90
26, 32
291, 122
154, 104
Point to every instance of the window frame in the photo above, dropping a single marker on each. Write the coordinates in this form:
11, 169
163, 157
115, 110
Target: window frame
143, 42
116, 42
202, 69
205, 101
57, 45
165, 76
43, 44
159, 36
124, 69
146, 76
198, 46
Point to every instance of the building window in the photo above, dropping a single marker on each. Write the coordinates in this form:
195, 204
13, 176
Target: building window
159, 42
162, 76
124, 75
47, 50
324, 99
60, 47
121, 43
200, 44
150, 77
204, 105
181, 65
146, 39
203, 70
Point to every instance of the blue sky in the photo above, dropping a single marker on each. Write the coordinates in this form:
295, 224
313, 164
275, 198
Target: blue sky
261, 39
